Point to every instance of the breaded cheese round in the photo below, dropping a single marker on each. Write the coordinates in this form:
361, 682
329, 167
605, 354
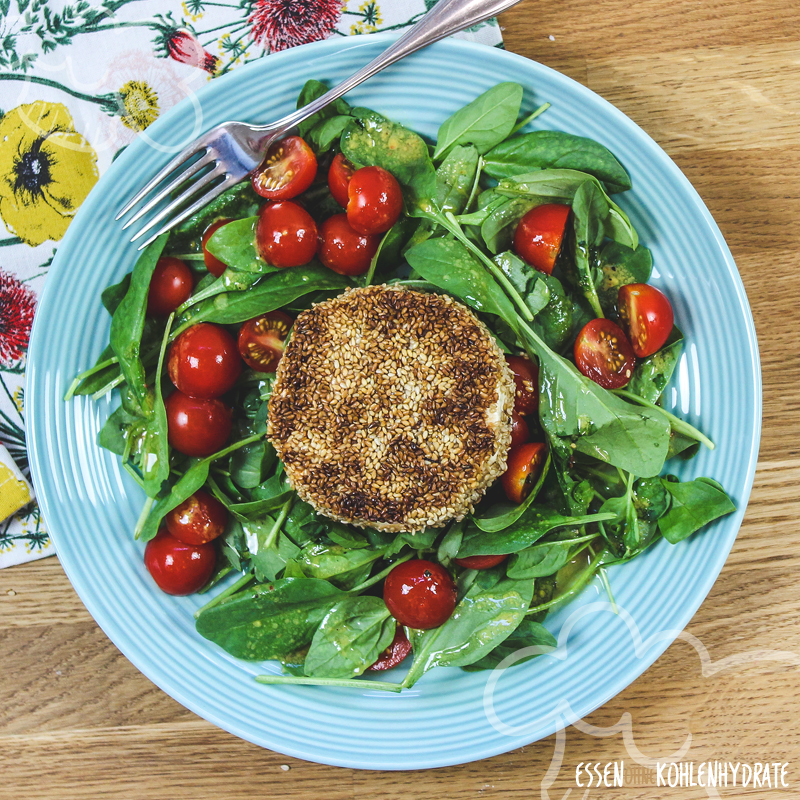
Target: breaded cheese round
391, 408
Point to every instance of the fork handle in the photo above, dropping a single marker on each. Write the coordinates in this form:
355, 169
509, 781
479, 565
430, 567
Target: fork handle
445, 18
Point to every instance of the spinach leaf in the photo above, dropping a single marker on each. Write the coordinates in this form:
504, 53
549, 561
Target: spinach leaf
234, 245
372, 140
250, 465
154, 459
545, 558
313, 90
526, 280
556, 150
269, 553
450, 266
116, 430
112, 296
454, 179
527, 634
619, 266
483, 618
239, 201
127, 326
98, 376
532, 526
694, 504
554, 322
322, 136
334, 562
650, 498
271, 620
652, 374
484, 122
499, 224
350, 638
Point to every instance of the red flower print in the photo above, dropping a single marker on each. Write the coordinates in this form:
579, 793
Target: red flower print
280, 24
183, 46
17, 304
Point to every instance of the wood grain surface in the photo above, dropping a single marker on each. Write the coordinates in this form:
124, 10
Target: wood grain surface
717, 84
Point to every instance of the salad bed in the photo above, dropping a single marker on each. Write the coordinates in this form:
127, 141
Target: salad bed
316, 605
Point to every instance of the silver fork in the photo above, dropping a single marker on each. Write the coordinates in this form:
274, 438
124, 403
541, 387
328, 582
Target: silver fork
228, 153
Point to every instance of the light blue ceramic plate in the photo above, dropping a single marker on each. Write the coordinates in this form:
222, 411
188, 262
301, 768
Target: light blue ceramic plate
90, 505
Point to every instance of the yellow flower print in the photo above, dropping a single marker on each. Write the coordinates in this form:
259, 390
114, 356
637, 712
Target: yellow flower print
187, 12
372, 14
140, 103
46, 170
18, 399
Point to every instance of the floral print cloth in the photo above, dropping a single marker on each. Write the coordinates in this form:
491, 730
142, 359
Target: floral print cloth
78, 81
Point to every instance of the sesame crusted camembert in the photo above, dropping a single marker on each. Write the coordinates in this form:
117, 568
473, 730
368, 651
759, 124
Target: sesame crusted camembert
391, 408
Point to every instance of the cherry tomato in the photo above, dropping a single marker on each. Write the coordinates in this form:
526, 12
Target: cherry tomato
524, 468
604, 354
213, 264
645, 314
286, 236
262, 339
170, 285
375, 200
519, 430
420, 594
287, 170
480, 562
394, 653
177, 567
199, 519
339, 174
195, 426
526, 379
344, 250
539, 235
204, 361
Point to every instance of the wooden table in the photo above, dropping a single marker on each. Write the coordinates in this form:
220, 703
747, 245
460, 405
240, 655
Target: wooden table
717, 84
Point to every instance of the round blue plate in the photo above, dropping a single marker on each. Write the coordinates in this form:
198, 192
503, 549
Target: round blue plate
90, 504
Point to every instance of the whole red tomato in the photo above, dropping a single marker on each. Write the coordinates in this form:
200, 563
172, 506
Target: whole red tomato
480, 562
525, 465
344, 250
526, 379
213, 264
199, 519
339, 174
286, 235
604, 354
420, 594
179, 568
375, 200
287, 170
197, 427
262, 339
539, 235
646, 315
204, 361
394, 653
170, 286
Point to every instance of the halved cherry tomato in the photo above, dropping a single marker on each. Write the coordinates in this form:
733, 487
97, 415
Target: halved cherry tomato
519, 430
339, 174
645, 314
375, 200
539, 235
286, 235
197, 427
604, 354
287, 170
394, 653
213, 264
170, 285
524, 468
420, 594
344, 250
179, 568
526, 379
199, 519
262, 339
204, 361
480, 562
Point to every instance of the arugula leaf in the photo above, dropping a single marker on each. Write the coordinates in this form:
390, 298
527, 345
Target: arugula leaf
350, 638
271, 620
484, 122
372, 140
694, 504
483, 618
652, 374
527, 634
556, 150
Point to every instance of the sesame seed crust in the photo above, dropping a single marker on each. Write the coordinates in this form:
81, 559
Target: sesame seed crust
391, 408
